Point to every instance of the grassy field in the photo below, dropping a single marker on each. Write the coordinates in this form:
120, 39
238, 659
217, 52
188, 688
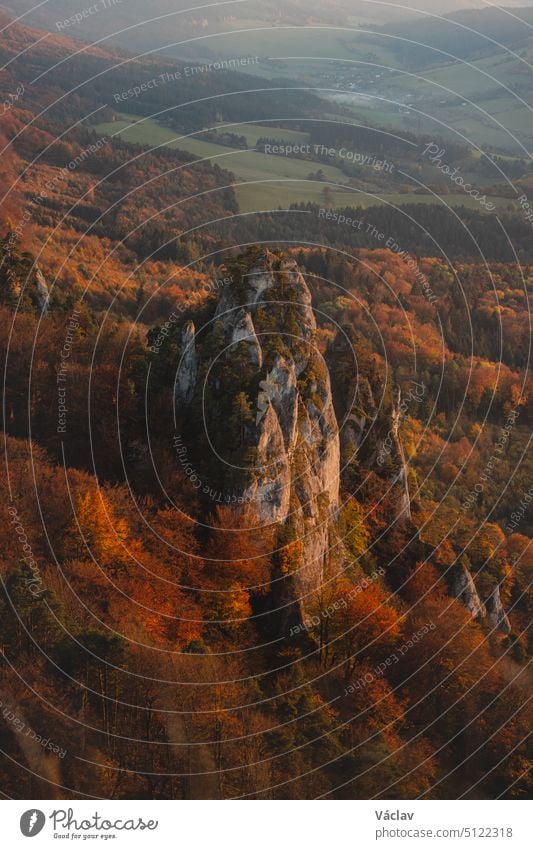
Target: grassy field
308, 54
262, 197
466, 125
441, 92
450, 86
255, 197
247, 165
253, 132
266, 181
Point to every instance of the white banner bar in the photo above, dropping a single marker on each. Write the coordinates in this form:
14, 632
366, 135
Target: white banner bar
269, 825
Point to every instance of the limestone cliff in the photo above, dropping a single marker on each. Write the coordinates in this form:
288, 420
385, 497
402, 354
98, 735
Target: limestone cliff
254, 407
401, 474
464, 588
187, 367
371, 429
22, 283
496, 614
371, 442
269, 420
41, 290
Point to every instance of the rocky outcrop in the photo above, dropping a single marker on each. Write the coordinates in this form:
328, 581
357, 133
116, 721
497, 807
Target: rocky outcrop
279, 390
21, 279
369, 436
243, 331
464, 589
41, 291
187, 367
403, 510
295, 479
290, 458
496, 614
270, 436
270, 487
360, 416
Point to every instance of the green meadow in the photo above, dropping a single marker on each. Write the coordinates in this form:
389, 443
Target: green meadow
267, 181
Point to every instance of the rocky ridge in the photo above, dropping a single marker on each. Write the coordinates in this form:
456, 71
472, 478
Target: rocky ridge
265, 321
263, 390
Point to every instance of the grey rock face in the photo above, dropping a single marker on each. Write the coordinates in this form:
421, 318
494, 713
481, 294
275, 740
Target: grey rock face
404, 500
464, 589
288, 469
41, 288
496, 614
187, 368
371, 436
358, 419
243, 331
300, 422
270, 488
294, 477
260, 280
304, 439
281, 391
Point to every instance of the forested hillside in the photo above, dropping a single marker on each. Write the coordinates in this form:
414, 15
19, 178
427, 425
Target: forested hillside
266, 526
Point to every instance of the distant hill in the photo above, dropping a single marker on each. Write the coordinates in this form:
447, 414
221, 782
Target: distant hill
467, 34
133, 24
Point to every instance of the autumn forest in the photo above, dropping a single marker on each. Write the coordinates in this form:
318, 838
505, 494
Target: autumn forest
266, 471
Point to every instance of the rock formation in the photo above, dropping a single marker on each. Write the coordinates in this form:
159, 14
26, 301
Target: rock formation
360, 417
41, 290
404, 501
370, 436
256, 393
243, 331
265, 322
495, 612
187, 367
464, 588
21, 279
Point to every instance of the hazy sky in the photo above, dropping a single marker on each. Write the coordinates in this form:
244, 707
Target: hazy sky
136, 10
